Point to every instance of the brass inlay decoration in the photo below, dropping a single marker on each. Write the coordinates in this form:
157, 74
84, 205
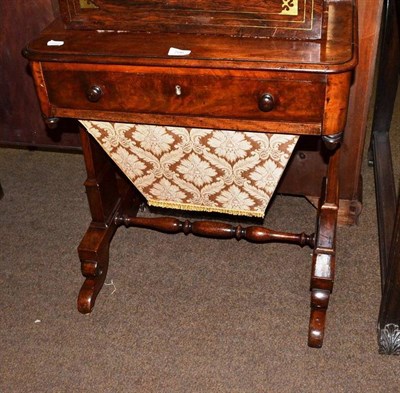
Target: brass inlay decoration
290, 7
87, 4
282, 14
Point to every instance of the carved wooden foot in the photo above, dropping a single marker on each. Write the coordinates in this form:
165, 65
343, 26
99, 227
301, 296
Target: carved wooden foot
94, 255
319, 306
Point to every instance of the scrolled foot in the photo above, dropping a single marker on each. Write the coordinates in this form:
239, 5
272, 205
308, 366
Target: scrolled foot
317, 328
94, 256
92, 285
319, 305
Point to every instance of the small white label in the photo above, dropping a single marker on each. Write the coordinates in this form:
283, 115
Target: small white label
178, 52
55, 43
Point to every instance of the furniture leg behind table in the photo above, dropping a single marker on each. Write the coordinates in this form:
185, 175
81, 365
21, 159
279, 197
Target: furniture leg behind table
380, 153
381, 157
389, 317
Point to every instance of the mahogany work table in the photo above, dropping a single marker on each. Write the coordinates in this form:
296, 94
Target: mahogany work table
218, 77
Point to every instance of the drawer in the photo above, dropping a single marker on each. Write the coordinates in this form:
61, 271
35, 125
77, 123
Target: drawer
221, 94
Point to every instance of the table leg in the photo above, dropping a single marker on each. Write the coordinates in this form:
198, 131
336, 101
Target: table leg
109, 196
389, 316
323, 260
381, 158
380, 152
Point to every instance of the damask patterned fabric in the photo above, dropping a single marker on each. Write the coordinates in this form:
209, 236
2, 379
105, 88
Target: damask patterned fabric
198, 169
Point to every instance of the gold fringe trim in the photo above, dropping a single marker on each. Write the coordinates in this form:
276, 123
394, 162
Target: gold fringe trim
201, 208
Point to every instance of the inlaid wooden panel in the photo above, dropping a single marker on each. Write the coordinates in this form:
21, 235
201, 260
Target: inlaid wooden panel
263, 18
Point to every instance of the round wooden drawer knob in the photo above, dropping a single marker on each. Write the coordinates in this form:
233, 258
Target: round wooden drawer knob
94, 93
266, 102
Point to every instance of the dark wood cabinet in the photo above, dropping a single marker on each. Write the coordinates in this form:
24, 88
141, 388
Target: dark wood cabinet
21, 123
387, 202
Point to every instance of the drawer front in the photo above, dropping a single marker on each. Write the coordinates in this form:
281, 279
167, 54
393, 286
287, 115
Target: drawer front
250, 96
